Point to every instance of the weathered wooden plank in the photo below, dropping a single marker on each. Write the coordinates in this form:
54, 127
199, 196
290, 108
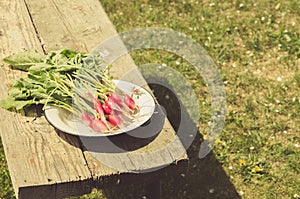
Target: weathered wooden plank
83, 26
35, 154
45, 164
76, 25
159, 152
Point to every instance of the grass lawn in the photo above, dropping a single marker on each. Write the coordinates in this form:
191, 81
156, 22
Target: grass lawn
256, 47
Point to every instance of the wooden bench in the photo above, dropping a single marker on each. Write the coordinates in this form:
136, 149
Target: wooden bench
46, 163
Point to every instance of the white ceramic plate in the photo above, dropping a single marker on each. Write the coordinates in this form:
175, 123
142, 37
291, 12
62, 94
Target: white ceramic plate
66, 122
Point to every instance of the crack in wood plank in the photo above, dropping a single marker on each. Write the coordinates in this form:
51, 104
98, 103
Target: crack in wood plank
35, 29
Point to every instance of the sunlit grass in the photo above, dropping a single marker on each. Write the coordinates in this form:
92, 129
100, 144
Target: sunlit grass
255, 45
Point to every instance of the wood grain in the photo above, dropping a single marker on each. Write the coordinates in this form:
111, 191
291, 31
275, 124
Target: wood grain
76, 25
52, 164
86, 26
35, 154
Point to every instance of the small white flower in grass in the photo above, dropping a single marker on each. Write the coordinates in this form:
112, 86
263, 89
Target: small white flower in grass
242, 193
276, 111
212, 4
297, 145
241, 5
270, 104
279, 79
277, 101
163, 65
293, 23
277, 6
177, 62
251, 148
296, 196
285, 132
287, 38
262, 18
230, 167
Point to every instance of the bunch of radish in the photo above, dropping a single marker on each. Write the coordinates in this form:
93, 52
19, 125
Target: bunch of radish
111, 113
74, 81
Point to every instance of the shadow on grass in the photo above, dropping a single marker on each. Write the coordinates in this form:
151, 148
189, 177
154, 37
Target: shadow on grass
201, 178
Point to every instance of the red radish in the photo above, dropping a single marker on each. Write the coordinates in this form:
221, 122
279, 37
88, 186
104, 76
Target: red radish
98, 125
129, 102
107, 106
115, 98
116, 101
86, 118
114, 119
98, 108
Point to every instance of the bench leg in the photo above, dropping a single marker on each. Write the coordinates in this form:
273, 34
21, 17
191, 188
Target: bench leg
153, 189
